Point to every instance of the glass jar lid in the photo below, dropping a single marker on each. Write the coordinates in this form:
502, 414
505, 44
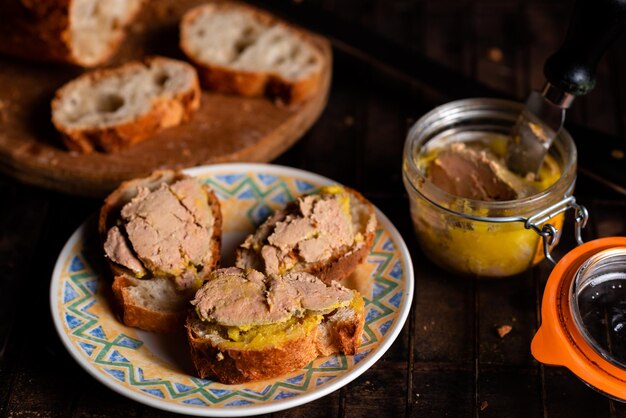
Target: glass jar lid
583, 316
598, 303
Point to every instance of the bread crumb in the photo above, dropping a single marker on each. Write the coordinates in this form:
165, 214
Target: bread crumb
495, 54
220, 356
484, 405
503, 330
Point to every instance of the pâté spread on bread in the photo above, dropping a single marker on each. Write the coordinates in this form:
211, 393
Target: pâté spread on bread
162, 229
249, 326
326, 234
264, 300
170, 231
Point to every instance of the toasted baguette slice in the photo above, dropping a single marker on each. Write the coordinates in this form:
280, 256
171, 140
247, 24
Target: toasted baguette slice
233, 354
152, 300
338, 265
339, 332
82, 32
240, 49
111, 109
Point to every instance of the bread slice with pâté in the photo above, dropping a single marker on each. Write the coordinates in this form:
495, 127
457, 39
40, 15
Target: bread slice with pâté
248, 326
162, 238
327, 234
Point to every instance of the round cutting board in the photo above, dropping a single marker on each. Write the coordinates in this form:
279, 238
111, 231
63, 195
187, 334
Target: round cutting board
226, 128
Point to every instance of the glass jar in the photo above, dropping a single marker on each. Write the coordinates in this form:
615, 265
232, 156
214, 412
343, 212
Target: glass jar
583, 316
484, 238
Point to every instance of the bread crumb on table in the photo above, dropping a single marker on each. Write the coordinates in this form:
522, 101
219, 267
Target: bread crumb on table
503, 330
495, 54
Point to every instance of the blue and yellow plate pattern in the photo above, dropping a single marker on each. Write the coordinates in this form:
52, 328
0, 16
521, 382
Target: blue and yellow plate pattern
156, 369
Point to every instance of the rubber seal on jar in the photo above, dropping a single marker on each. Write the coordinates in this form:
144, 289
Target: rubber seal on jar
559, 340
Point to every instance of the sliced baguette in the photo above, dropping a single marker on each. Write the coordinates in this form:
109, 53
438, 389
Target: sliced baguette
215, 355
111, 109
82, 32
154, 303
336, 267
242, 50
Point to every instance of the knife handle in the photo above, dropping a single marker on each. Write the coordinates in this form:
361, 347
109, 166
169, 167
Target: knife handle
593, 27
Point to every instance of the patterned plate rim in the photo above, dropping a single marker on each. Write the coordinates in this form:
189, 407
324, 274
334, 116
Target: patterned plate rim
273, 406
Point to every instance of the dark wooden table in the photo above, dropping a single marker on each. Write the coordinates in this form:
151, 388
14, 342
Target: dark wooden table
394, 60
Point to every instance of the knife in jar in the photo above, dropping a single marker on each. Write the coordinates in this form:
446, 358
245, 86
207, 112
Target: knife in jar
570, 72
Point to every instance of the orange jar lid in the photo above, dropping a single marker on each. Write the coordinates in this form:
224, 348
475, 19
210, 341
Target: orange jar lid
584, 316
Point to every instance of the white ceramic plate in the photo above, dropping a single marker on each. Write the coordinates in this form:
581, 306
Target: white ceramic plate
156, 370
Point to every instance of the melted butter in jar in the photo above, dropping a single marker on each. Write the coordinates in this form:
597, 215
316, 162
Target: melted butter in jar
471, 165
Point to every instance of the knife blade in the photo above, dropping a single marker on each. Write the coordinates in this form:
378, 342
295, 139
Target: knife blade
570, 72
535, 130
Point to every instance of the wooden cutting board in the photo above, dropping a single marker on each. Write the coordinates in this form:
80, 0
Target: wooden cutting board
225, 128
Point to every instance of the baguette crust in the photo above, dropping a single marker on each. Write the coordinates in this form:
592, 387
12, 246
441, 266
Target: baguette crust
249, 84
225, 79
241, 365
341, 267
337, 267
40, 30
340, 332
163, 113
135, 313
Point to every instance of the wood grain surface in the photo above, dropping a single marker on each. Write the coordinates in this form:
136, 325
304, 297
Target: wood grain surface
225, 128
